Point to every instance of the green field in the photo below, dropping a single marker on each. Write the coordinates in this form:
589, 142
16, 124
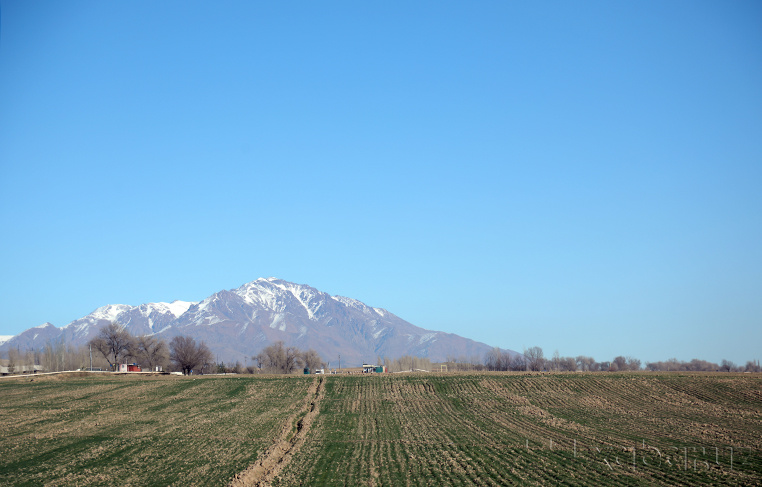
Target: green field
450, 429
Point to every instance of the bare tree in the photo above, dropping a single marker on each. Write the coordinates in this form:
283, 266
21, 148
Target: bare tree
114, 342
517, 363
752, 366
493, 359
619, 364
556, 361
727, 365
535, 358
12, 360
312, 359
151, 351
568, 364
53, 355
184, 352
497, 359
673, 364
277, 358
633, 363
584, 363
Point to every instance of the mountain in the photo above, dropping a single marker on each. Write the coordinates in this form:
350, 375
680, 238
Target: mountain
238, 323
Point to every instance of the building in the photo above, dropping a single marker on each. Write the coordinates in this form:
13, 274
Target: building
367, 368
129, 368
21, 369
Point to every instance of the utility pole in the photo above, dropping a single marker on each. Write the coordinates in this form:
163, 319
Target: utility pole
339, 363
91, 358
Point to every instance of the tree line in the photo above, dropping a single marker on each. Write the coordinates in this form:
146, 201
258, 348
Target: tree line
114, 345
533, 359
111, 346
117, 345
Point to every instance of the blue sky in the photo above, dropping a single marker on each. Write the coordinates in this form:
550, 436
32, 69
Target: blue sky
581, 176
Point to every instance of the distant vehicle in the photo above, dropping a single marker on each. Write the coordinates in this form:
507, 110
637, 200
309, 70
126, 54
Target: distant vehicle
320, 371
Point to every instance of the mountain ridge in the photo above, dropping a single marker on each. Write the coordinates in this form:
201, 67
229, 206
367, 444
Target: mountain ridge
238, 323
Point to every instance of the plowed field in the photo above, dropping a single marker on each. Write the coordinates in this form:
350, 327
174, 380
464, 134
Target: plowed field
127, 430
478, 429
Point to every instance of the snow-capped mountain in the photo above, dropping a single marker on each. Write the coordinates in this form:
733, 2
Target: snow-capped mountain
238, 323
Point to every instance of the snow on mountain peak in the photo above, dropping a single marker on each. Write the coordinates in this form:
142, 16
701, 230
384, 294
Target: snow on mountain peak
265, 310
358, 305
176, 308
110, 312
273, 293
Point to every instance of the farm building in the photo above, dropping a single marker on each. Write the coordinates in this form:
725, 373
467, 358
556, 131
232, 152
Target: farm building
129, 368
21, 369
367, 368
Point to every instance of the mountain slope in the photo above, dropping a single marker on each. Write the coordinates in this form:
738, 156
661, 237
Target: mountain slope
238, 323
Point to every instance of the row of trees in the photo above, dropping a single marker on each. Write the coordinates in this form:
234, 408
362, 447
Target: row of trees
55, 356
534, 359
405, 363
114, 345
697, 365
117, 345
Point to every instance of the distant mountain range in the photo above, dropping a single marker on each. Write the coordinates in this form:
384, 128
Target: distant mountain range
239, 323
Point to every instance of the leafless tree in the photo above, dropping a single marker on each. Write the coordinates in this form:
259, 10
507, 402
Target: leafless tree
633, 363
727, 365
619, 364
493, 359
568, 364
701, 365
673, 364
12, 360
279, 359
497, 359
752, 366
151, 351
408, 362
53, 355
188, 355
517, 363
555, 362
535, 358
584, 363
312, 359
114, 342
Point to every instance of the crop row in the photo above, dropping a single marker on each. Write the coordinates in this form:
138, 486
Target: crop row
478, 429
499, 429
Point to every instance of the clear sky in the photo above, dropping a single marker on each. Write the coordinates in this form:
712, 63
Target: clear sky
581, 176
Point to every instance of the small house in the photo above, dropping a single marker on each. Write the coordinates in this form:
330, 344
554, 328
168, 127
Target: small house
129, 368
